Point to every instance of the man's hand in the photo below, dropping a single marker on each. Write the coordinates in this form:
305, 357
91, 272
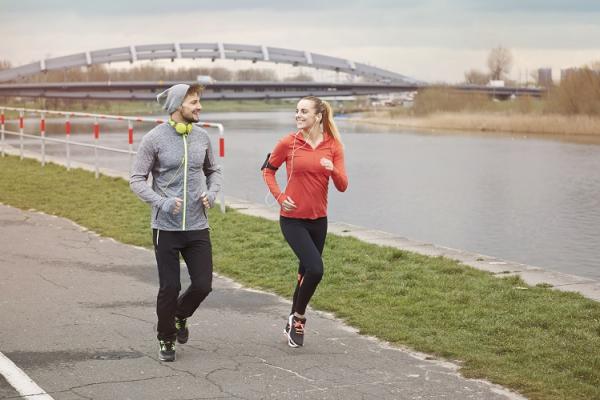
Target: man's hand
204, 199
177, 207
172, 205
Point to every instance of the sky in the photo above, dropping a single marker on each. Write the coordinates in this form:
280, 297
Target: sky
429, 40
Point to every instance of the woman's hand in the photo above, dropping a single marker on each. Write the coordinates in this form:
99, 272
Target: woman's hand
288, 204
327, 163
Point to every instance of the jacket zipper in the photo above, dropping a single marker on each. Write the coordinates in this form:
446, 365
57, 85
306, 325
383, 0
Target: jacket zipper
185, 168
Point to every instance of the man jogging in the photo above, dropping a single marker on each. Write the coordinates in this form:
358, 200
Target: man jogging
185, 182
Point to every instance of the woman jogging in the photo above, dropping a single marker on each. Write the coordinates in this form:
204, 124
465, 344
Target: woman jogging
312, 155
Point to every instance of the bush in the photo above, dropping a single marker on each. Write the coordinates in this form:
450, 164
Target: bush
578, 94
434, 100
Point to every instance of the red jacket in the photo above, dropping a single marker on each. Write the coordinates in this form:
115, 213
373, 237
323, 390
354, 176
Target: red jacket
308, 180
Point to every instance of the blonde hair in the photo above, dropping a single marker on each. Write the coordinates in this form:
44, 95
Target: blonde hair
323, 107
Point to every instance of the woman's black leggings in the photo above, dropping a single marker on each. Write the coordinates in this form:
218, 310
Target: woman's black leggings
306, 237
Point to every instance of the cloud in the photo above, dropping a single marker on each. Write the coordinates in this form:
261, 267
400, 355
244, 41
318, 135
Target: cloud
535, 7
430, 39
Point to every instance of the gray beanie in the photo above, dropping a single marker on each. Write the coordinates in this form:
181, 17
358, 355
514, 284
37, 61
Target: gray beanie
172, 98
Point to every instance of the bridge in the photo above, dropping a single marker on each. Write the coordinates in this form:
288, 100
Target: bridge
212, 51
146, 91
379, 80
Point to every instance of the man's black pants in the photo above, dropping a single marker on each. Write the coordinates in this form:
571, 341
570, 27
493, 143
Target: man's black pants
196, 250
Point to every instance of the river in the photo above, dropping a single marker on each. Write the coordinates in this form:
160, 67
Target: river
533, 199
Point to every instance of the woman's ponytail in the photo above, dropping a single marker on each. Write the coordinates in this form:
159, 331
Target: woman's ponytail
324, 108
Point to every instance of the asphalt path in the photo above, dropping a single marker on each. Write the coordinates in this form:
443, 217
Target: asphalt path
77, 316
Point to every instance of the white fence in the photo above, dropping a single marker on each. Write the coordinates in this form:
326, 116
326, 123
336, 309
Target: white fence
68, 142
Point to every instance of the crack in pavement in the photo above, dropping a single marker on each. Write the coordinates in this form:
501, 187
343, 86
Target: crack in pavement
208, 378
172, 368
346, 386
80, 395
110, 382
130, 317
52, 282
265, 362
72, 389
198, 348
120, 304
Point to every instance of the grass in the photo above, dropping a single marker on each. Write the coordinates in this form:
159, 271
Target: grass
505, 121
540, 342
573, 108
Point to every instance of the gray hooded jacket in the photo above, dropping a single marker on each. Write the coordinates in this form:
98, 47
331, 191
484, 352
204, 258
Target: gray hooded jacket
182, 166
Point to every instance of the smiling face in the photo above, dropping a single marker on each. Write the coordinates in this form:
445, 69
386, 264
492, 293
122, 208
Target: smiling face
306, 115
190, 108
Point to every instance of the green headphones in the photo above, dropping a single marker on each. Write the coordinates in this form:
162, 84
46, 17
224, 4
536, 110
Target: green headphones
180, 127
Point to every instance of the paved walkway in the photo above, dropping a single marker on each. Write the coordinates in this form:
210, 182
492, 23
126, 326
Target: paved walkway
77, 316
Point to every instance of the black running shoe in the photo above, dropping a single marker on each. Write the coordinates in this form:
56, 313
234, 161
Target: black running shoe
286, 331
166, 350
183, 332
295, 334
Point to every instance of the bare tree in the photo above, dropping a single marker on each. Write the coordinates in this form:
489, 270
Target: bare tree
256, 75
5, 64
535, 77
499, 62
301, 77
595, 66
475, 77
98, 73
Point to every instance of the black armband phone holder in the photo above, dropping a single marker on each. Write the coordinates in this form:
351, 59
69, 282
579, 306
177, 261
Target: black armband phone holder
266, 164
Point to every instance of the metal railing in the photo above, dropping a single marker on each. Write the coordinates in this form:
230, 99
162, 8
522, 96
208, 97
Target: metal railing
211, 51
96, 131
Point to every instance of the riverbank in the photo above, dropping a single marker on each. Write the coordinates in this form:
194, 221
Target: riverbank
543, 124
528, 338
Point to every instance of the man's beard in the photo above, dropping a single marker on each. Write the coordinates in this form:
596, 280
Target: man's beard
189, 117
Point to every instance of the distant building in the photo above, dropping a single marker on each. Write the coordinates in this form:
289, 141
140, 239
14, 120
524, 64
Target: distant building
545, 77
496, 83
205, 79
566, 73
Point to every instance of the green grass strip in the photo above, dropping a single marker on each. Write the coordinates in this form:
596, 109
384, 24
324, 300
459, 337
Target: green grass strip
540, 342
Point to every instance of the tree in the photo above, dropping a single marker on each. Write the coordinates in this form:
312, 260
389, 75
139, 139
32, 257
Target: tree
301, 77
578, 93
535, 76
475, 77
499, 62
595, 66
256, 75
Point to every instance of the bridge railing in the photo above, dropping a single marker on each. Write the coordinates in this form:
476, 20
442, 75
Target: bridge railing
68, 142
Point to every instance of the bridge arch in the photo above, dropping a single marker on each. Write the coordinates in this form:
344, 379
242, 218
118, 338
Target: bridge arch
212, 51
